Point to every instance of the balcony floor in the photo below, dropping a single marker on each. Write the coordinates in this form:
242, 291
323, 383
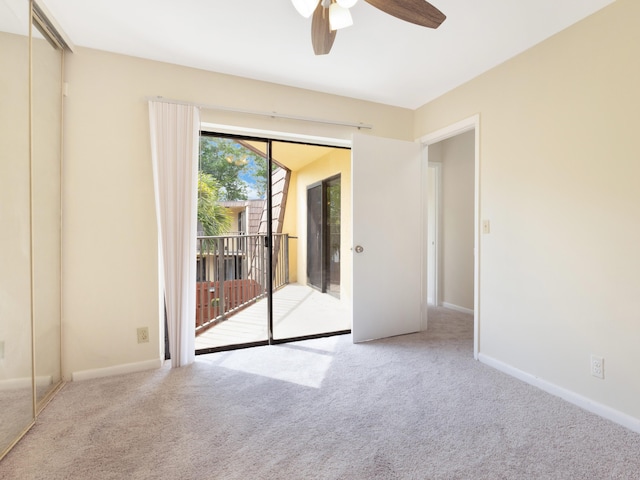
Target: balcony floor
298, 310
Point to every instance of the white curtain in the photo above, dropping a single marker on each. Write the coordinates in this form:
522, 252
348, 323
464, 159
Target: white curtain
174, 151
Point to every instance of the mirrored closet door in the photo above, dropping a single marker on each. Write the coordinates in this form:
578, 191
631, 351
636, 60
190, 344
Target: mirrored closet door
16, 391
31, 66
46, 128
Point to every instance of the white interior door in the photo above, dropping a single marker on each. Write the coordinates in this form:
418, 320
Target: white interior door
387, 237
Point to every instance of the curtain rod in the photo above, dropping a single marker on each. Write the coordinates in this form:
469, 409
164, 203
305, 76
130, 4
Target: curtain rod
359, 126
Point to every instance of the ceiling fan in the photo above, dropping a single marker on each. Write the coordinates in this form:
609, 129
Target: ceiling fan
329, 16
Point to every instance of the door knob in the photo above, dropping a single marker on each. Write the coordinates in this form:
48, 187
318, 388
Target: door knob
359, 249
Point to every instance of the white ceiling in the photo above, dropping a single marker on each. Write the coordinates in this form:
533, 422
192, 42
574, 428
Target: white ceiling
379, 58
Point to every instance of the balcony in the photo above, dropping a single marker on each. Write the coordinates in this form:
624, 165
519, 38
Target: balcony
311, 292
232, 274
231, 292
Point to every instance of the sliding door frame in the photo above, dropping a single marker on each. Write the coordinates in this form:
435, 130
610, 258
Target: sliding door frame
325, 232
268, 140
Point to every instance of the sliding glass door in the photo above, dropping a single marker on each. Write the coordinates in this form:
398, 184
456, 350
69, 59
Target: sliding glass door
315, 301
333, 253
232, 248
315, 237
253, 242
324, 251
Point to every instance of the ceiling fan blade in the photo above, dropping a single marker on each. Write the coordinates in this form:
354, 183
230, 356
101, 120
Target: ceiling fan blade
413, 11
322, 36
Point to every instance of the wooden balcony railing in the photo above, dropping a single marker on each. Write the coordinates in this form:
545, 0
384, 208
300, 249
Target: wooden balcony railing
232, 274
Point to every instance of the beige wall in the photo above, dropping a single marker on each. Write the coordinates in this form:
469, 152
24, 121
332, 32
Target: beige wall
456, 157
290, 226
559, 177
109, 233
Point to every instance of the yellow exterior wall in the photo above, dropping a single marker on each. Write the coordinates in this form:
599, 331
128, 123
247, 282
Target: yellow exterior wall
337, 161
290, 226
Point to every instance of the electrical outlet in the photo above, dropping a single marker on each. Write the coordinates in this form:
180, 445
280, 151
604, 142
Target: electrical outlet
597, 366
486, 226
143, 335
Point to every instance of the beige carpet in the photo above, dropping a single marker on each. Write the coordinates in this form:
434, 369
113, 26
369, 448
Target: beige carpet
411, 407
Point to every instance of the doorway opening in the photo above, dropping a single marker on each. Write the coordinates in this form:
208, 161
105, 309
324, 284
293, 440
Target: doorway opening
253, 249
453, 213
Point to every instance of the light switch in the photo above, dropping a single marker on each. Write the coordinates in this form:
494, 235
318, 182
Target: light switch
486, 226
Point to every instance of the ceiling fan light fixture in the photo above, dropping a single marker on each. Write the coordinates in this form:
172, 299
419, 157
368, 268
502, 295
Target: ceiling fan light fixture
339, 17
305, 7
346, 3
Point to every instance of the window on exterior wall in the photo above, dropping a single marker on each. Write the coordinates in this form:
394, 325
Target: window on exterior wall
241, 216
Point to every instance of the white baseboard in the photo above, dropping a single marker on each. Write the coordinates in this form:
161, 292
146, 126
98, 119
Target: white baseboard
44, 380
24, 382
451, 306
609, 413
116, 370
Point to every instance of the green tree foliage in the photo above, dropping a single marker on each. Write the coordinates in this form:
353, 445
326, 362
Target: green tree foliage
260, 175
230, 163
213, 217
